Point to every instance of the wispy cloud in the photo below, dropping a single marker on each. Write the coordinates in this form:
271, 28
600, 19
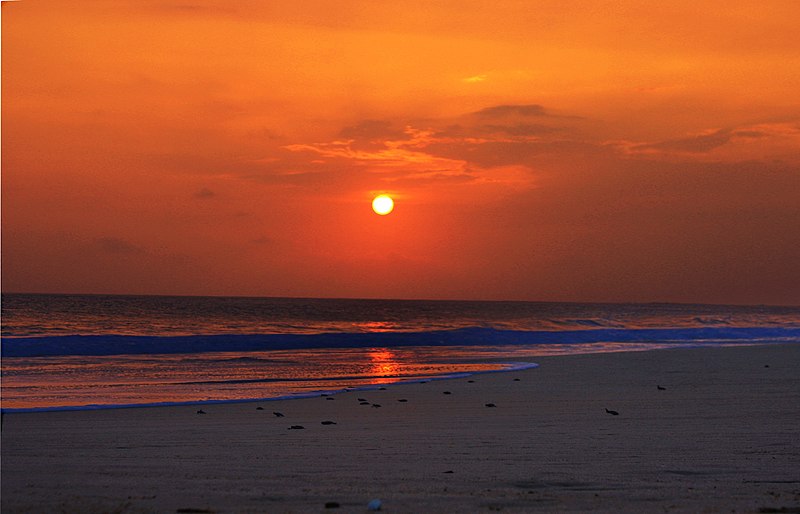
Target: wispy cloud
475, 79
118, 245
754, 141
501, 111
205, 194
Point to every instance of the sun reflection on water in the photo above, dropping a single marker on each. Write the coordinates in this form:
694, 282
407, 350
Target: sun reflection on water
384, 365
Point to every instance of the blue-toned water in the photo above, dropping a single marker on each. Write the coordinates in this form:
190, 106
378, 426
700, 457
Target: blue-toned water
79, 350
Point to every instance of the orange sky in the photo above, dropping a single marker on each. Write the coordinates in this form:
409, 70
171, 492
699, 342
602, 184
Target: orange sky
572, 151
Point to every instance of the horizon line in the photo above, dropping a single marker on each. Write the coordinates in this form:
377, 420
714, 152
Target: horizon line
335, 298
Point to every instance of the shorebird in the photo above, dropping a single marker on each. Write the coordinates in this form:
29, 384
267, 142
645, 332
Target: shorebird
447, 392
259, 408
612, 412
661, 388
491, 405
328, 422
278, 414
296, 427
361, 399
402, 400
376, 405
201, 412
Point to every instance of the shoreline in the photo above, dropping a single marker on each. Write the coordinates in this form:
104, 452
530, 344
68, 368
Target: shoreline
721, 436
502, 364
514, 366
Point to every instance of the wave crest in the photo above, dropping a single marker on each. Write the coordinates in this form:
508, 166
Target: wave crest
141, 345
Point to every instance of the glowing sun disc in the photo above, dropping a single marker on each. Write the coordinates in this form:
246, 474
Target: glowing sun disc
382, 204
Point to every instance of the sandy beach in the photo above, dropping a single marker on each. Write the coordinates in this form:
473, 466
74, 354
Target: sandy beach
721, 436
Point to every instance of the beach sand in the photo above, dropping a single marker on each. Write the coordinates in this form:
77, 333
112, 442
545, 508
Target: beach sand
724, 436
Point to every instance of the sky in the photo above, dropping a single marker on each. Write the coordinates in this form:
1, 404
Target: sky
593, 150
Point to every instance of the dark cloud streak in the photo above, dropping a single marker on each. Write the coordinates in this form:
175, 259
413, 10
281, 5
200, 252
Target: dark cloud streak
502, 111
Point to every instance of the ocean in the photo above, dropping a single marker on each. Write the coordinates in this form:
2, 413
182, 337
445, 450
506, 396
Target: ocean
106, 351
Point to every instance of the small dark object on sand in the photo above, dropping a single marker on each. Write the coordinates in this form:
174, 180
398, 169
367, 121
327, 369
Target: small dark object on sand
330, 398
402, 400
191, 510
376, 405
516, 380
612, 412
661, 388
332, 505
381, 389
361, 399
278, 414
491, 405
447, 392
328, 422
259, 408
448, 471
201, 412
296, 427
363, 403
766, 365
470, 381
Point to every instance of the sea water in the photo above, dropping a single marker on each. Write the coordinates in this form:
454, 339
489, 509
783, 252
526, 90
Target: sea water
102, 351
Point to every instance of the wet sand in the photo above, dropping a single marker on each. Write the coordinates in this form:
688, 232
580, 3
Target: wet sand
723, 436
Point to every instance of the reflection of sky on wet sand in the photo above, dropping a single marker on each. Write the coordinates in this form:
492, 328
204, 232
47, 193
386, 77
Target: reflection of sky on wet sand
132, 379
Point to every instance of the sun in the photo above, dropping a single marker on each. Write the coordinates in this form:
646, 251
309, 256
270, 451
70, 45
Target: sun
382, 204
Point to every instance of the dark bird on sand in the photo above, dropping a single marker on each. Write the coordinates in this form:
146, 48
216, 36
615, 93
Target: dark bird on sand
470, 381
402, 400
278, 414
259, 408
201, 412
661, 388
516, 380
330, 398
447, 392
328, 422
612, 412
491, 405
376, 405
296, 427
363, 403
361, 399
381, 389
